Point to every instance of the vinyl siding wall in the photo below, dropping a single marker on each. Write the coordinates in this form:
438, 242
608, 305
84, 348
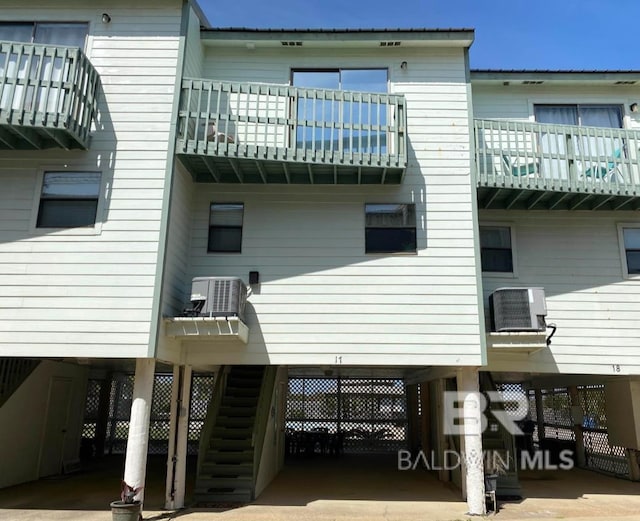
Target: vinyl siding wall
321, 297
516, 101
89, 293
576, 258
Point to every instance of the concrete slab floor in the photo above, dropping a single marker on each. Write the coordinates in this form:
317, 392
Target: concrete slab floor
350, 488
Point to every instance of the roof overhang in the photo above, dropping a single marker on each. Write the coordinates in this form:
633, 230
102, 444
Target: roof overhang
326, 38
497, 76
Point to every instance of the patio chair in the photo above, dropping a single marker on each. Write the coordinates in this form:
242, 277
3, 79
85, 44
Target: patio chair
531, 169
609, 173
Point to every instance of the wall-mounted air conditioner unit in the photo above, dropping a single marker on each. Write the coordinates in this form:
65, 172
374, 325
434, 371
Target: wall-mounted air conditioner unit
217, 297
518, 309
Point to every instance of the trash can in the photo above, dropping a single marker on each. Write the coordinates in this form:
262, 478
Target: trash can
121, 511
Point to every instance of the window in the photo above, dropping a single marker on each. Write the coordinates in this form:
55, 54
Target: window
631, 241
68, 199
225, 227
495, 249
356, 123
390, 228
52, 33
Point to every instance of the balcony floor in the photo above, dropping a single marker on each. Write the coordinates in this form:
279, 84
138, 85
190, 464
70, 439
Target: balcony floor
221, 169
556, 198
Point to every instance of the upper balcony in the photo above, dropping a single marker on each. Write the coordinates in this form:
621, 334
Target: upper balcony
524, 165
47, 96
259, 133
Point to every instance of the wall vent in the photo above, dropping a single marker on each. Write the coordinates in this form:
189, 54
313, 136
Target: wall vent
390, 44
625, 82
217, 297
291, 44
532, 82
518, 309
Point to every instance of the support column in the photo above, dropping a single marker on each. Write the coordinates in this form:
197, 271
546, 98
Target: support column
413, 417
179, 434
540, 418
472, 459
426, 418
576, 419
135, 465
103, 415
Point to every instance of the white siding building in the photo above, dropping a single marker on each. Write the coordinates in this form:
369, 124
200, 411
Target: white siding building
369, 190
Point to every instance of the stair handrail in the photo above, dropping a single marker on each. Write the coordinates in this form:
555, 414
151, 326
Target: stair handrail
262, 420
212, 413
13, 373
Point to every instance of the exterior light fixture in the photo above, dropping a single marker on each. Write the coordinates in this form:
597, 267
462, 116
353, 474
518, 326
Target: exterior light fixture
106, 18
403, 66
633, 107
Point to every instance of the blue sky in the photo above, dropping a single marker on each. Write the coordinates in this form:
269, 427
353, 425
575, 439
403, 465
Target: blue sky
544, 34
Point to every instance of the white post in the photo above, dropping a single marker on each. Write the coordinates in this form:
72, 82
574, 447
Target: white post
173, 426
135, 464
183, 435
472, 459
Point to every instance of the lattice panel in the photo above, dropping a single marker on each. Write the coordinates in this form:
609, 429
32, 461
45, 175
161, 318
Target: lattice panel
370, 414
91, 409
159, 425
201, 393
599, 453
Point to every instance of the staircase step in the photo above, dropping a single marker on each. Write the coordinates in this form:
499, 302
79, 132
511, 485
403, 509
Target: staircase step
228, 457
225, 444
226, 469
243, 391
227, 422
239, 401
232, 432
238, 412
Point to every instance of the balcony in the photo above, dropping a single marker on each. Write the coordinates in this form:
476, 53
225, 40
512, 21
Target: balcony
47, 97
524, 165
259, 133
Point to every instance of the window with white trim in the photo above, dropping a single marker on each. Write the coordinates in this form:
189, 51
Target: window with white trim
68, 199
631, 243
390, 228
496, 252
225, 227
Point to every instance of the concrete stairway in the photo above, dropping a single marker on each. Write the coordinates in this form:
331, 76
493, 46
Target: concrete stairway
226, 463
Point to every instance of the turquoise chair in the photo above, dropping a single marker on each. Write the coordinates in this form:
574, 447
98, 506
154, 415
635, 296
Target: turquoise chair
520, 170
608, 173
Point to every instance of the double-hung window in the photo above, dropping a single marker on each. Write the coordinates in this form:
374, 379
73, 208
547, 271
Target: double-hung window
225, 227
496, 252
390, 228
631, 247
68, 199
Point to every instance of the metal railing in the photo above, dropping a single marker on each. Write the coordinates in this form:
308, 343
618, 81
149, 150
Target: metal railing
47, 86
283, 123
543, 156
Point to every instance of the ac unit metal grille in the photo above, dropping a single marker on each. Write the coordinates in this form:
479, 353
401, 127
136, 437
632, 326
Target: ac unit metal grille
518, 309
511, 309
218, 297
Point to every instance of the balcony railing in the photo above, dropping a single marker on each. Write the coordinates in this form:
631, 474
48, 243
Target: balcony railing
47, 96
534, 165
259, 133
